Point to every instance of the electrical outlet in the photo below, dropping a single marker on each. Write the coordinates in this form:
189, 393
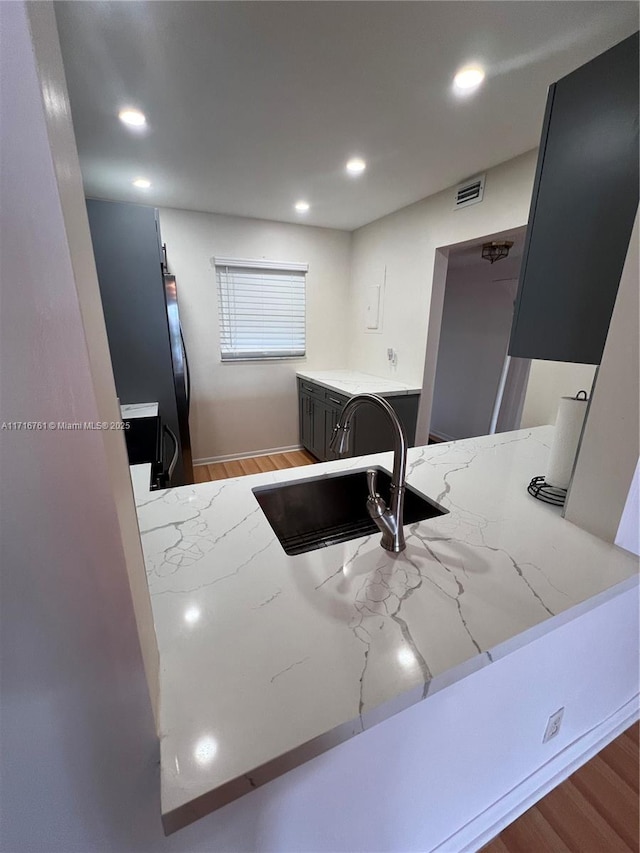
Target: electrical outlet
553, 726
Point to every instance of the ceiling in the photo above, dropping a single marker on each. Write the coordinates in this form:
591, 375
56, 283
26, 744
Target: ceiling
469, 254
252, 106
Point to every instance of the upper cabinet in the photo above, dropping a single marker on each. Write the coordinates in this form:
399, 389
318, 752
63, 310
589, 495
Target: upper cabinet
585, 198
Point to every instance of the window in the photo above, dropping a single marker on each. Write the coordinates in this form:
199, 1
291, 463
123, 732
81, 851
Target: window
261, 309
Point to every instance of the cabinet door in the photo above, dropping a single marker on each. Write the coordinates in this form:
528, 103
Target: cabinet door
306, 421
331, 415
372, 432
318, 410
584, 203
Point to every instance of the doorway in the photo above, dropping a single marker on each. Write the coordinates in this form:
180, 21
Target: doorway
477, 388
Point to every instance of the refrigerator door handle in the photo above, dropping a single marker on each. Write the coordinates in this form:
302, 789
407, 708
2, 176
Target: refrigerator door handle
187, 371
174, 458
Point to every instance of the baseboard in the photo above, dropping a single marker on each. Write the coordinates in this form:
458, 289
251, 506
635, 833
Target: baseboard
441, 435
250, 454
489, 823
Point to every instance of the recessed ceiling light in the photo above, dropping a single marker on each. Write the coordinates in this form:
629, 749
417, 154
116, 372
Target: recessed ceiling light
302, 206
468, 78
142, 183
134, 118
356, 166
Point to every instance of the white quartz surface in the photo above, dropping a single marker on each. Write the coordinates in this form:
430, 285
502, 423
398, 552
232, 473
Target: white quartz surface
139, 410
352, 382
265, 655
140, 479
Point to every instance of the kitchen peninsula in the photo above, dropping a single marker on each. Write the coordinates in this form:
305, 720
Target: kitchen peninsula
268, 660
322, 395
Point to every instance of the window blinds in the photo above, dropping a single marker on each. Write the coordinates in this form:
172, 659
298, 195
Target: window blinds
261, 309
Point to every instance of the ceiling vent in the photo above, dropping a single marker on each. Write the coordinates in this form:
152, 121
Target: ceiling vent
470, 192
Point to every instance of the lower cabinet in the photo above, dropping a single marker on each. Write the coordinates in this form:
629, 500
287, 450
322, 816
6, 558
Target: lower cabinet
320, 409
331, 415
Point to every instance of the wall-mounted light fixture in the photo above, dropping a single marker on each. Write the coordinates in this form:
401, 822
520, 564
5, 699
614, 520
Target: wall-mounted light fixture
496, 250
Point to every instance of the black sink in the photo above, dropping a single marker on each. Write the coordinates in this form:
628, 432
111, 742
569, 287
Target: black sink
316, 513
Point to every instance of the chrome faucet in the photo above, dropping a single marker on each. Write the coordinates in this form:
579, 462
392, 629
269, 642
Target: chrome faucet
388, 519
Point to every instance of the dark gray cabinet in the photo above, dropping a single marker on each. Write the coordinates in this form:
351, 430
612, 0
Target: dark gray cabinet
319, 410
584, 203
312, 427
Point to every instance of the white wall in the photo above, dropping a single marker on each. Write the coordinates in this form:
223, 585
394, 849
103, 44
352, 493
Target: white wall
474, 335
240, 408
548, 381
405, 243
77, 732
609, 450
628, 535
57, 116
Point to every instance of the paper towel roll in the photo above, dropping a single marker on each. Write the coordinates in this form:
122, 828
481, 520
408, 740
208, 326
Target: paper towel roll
571, 414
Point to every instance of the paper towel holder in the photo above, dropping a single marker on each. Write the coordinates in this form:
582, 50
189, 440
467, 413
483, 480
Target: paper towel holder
540, 489
543, 491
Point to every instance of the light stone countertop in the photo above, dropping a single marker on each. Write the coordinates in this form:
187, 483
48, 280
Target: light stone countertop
140, 479
352, 382
268, 660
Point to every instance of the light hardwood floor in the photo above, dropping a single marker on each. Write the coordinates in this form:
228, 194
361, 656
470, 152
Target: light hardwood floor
252, 465
594, 811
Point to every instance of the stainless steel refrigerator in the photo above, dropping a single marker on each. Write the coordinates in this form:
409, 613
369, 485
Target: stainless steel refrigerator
140, 302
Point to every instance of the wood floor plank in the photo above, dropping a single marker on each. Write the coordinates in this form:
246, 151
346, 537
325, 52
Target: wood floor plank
252, 465
495, 846
201, 473
586, 817
611, 797
280, 461
296, 458
622, 757
233, 468
634, 733
249, 466
217, 471
265, 464
531, 833
578, 823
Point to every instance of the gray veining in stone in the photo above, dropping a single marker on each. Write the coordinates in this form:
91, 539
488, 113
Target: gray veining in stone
264, 655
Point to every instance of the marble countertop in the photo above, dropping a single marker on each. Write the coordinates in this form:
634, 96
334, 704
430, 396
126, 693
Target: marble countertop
268, 660
352, 382
140, 479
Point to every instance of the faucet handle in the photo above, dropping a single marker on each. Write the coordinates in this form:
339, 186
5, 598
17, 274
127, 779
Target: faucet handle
376, 507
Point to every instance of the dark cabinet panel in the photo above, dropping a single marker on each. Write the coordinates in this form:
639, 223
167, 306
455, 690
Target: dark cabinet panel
372, 431
128, 259
331, 415
306, 421
311, 414
319, 411
318, 442
583, 207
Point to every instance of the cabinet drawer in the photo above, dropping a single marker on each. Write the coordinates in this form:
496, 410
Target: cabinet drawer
335, 399
306, 387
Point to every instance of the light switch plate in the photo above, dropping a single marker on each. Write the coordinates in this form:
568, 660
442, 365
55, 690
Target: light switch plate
373, 307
